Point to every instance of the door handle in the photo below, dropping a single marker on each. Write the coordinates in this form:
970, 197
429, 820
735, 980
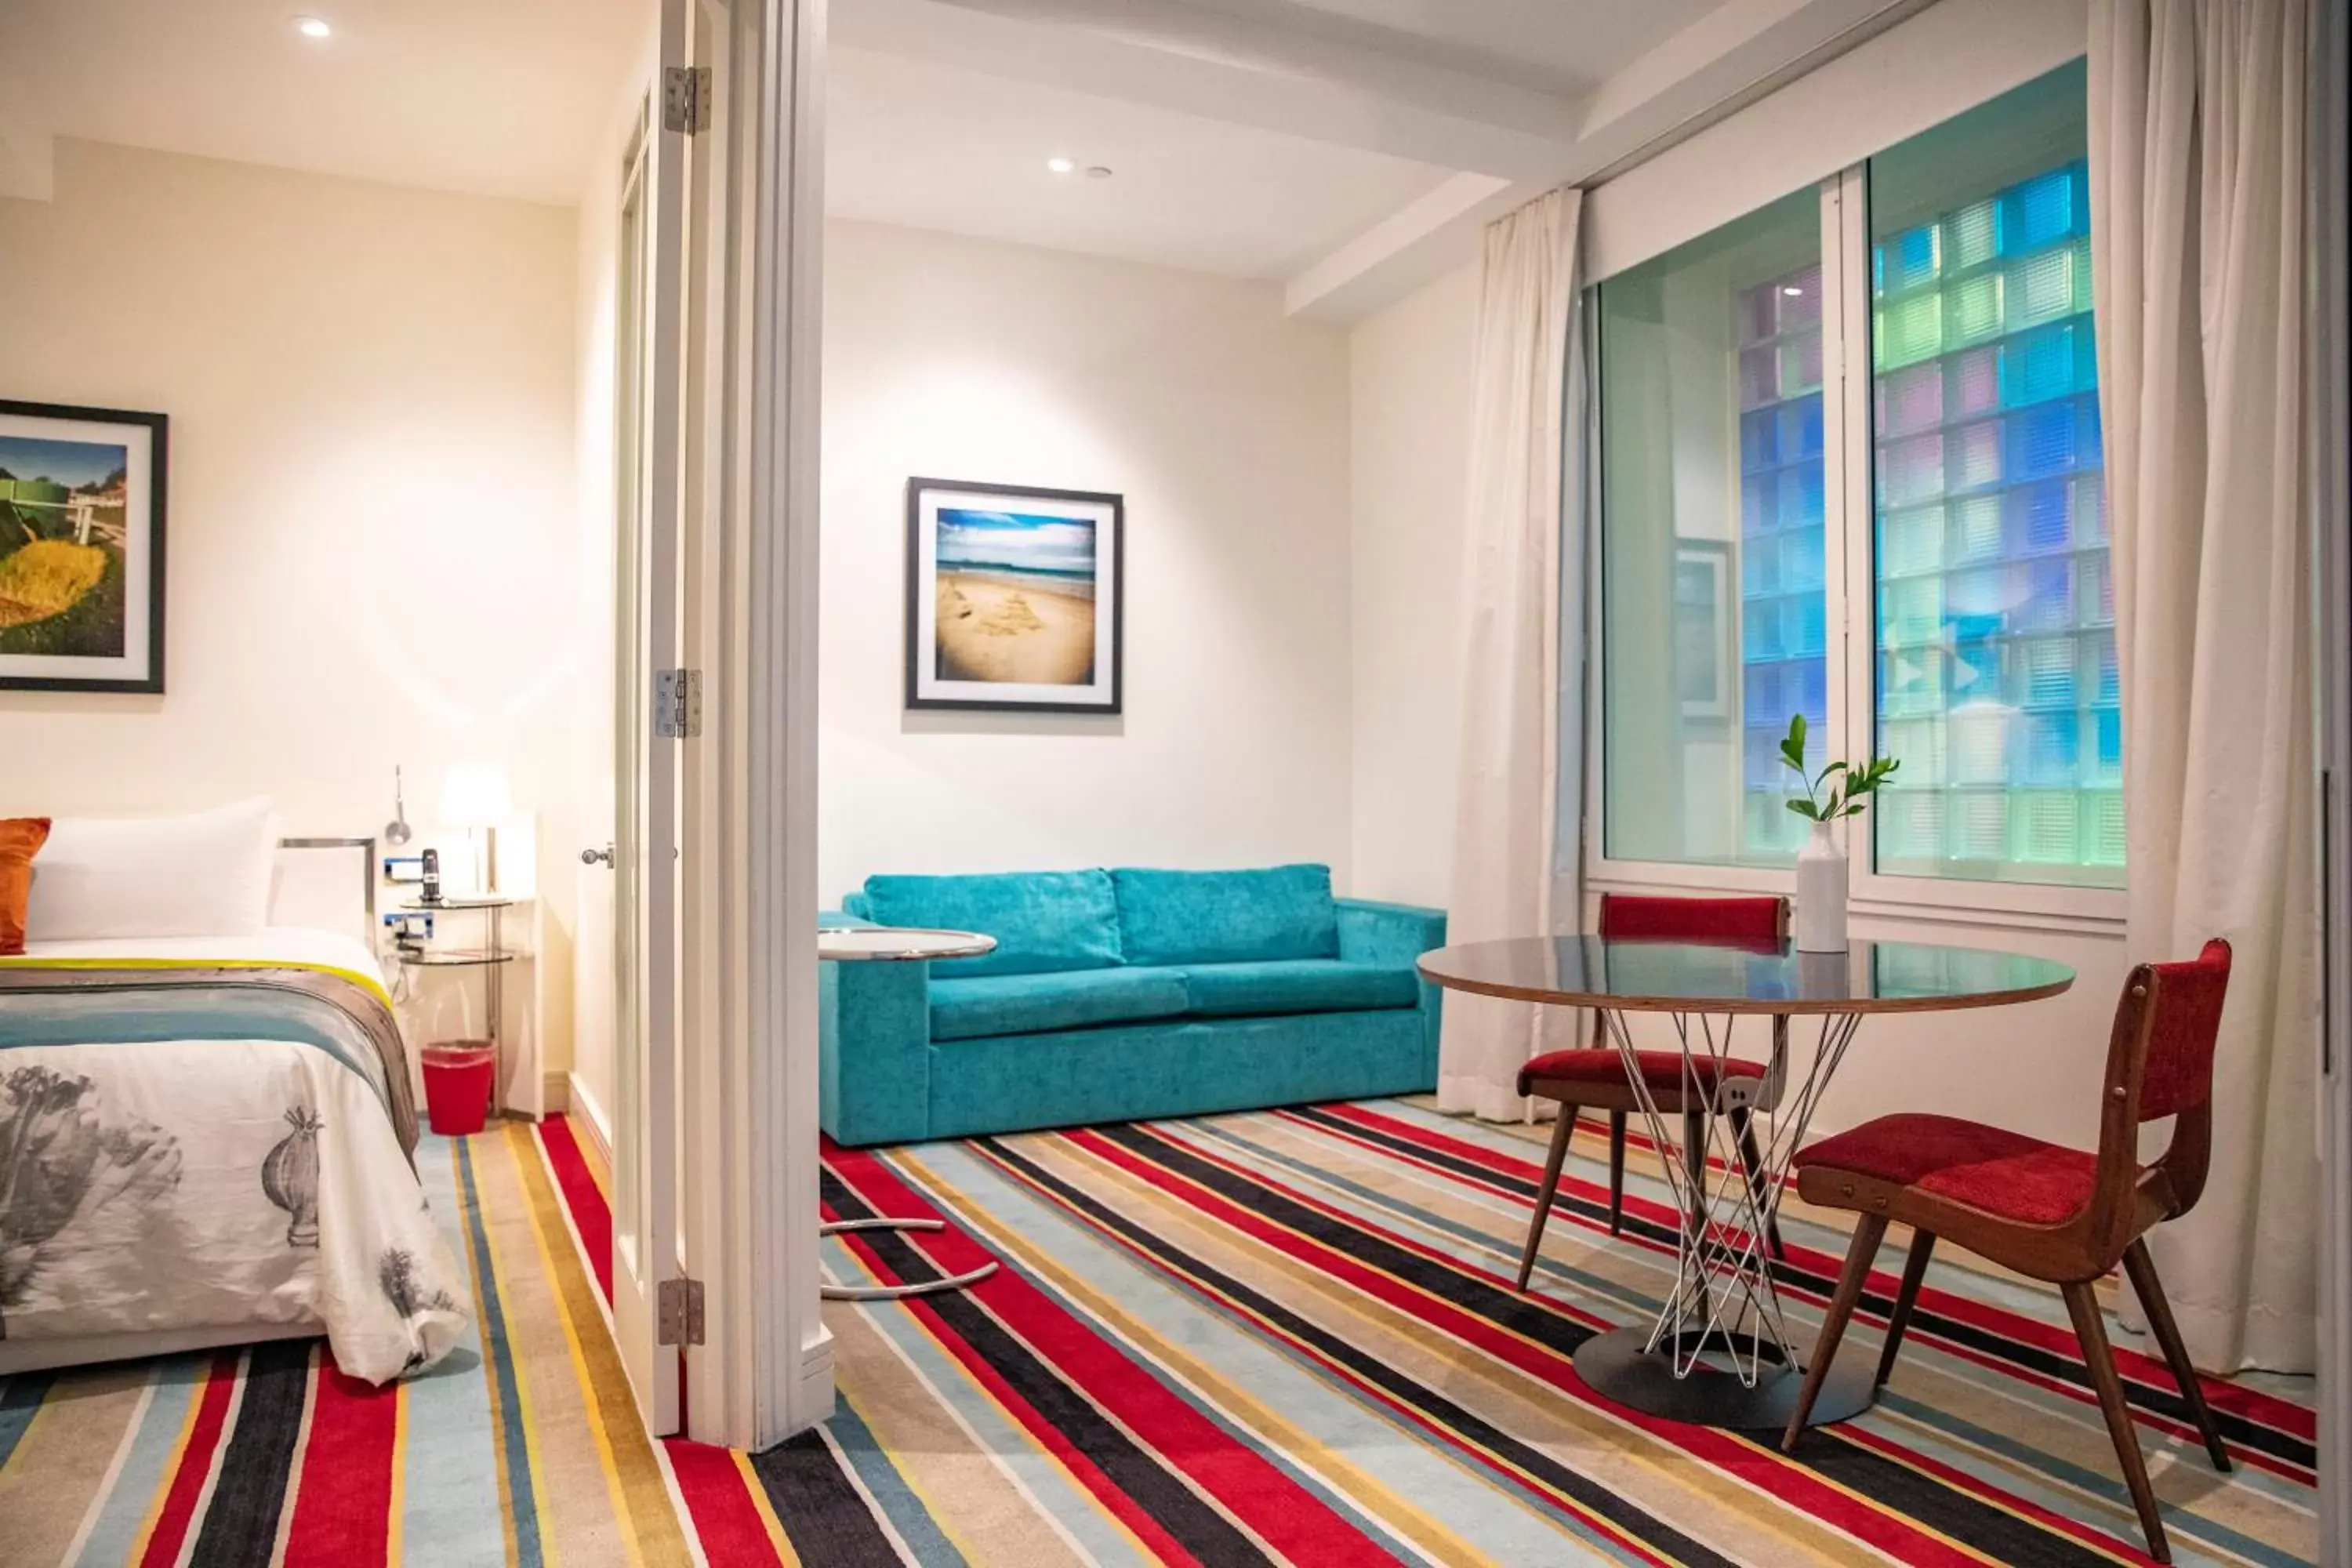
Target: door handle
589, 856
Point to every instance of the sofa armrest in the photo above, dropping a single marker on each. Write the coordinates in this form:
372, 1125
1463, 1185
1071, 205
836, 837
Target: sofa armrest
1391, 936
874, 1043
1394, 936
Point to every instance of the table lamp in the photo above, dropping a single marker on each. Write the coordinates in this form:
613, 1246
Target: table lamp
476, 797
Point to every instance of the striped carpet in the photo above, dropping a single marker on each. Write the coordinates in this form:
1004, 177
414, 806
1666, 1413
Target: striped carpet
1282, 1337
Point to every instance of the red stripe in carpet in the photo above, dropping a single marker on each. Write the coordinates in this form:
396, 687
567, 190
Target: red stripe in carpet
726, 1520
179, 1510
591, 1215
343, 1510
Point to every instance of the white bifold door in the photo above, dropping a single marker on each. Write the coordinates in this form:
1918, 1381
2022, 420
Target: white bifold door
713, 892
656, 1308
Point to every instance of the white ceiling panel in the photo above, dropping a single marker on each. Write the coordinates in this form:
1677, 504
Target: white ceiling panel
931, 146
493, 97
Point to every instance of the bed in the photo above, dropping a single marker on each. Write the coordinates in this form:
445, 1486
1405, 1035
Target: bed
209, 1140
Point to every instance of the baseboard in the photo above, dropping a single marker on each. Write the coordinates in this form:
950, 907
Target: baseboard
554, 1092
588, 1118
809, 1402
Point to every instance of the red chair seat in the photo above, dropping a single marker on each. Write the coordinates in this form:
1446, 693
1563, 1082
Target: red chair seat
1660, 1070
1989, 1168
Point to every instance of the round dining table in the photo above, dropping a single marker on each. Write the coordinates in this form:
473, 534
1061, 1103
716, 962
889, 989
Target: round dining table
1720, 1353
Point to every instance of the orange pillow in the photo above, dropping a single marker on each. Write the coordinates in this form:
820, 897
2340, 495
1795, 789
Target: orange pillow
21, 838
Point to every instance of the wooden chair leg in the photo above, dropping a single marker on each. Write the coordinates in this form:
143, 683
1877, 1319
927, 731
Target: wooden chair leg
2082, 1304
1915, 1269
1869, 1230
1562, 1130
1616, 1171
2142, 1269
1743, 1127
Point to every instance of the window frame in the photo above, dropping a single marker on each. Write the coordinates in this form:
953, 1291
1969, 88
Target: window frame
1850, 591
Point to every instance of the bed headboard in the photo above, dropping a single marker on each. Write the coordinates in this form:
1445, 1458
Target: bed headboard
329, 883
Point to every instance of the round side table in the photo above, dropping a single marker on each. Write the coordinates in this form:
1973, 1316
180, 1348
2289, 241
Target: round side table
897, 944
491, 957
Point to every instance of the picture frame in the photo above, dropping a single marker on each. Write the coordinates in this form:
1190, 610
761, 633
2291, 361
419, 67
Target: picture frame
1015, 598
82, 494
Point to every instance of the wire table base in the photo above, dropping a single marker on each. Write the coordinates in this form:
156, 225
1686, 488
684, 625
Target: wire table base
1721, 1353
833, 1292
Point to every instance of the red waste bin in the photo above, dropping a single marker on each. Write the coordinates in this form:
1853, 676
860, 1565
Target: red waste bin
457, 1076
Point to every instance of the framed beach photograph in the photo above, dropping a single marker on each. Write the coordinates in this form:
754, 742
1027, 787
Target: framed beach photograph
81, 549
1014, 597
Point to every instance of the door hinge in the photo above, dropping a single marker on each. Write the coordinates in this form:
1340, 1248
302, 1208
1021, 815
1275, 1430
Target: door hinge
686, 98
678, 703
677, 1312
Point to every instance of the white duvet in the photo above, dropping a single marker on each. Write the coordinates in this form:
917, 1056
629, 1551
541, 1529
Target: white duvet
160, 1185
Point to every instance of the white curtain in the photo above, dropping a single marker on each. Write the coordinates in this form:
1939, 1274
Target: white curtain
2197, 234
1527, 430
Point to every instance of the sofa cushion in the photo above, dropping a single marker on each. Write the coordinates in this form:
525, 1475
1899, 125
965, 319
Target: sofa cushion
1034, 1003
1297, 985
1227, 917
1043, 921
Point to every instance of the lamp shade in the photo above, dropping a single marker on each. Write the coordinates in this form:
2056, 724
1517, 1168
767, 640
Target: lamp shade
476, 794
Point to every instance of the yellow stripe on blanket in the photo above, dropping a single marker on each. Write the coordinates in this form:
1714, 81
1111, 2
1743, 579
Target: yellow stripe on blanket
372, 984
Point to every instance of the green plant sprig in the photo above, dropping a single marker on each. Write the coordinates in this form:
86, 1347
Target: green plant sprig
1846, 795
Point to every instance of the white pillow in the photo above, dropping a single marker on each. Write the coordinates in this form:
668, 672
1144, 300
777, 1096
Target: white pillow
207, 875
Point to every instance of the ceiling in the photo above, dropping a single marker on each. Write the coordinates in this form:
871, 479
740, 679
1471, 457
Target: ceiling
932, 146
492, 97
1349, 148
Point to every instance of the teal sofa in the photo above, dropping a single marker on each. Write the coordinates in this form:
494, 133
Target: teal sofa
1118, 995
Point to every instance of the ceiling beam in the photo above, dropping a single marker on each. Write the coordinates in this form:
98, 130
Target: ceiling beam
1737, 53
1173, 56
1434, 234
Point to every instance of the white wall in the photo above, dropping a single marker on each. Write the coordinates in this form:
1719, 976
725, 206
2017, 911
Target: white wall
1224, 423
370, 554
1409, 422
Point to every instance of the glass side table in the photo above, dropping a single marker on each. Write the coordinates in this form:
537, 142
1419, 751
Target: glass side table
491, 957
896, 944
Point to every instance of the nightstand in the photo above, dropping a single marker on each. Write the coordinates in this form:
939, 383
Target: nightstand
491, 957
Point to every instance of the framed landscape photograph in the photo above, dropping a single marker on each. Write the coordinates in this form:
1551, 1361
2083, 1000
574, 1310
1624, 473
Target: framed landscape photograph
1014, 597
81, 549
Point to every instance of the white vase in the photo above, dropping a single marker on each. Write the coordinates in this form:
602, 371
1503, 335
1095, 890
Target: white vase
1821, 893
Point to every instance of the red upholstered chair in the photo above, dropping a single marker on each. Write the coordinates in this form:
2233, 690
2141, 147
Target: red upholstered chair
1594, 1079
2042, 1210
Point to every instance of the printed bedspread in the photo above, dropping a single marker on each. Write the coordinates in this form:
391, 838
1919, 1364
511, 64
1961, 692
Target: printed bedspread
198, 1145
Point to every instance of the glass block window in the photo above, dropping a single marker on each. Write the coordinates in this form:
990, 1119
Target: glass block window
1783, 608
1995, 603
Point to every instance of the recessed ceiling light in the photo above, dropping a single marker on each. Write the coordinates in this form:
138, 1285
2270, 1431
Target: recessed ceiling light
1097, 173
1793, 291
311, 27
1061, 165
